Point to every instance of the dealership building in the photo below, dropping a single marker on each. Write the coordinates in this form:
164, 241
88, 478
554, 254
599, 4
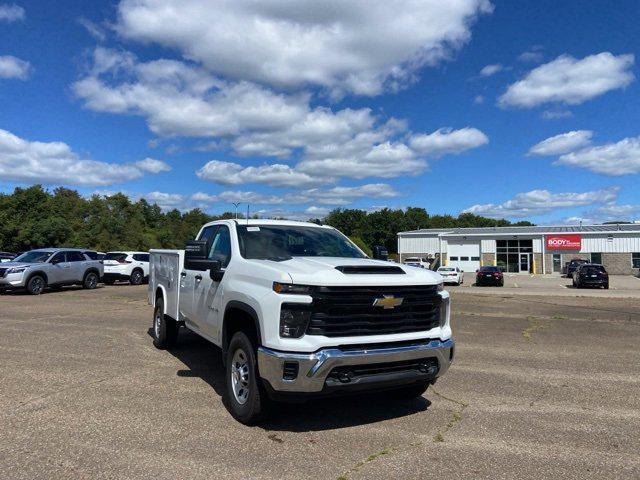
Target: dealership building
537, 249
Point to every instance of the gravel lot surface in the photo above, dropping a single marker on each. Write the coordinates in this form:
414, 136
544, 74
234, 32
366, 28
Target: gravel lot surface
542, 387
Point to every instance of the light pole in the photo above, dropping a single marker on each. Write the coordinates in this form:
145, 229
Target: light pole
236, 204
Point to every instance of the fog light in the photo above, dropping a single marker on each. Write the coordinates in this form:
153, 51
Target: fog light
294, 320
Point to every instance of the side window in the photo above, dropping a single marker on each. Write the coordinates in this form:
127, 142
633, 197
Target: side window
221, 246
141, 257
635, 259
58, 258
75, 257
208, 233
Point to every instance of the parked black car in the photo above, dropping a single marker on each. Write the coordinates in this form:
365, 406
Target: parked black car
590, 275
7, 256
490, 276
571, 266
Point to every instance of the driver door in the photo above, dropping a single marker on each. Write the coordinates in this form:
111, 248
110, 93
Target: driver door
207, 293
60, 270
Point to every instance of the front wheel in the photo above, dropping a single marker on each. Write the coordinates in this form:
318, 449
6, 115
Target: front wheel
165, 329
36, 285
246, 399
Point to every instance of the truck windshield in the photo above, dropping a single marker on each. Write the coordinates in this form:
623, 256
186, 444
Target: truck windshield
282, 242
34, 256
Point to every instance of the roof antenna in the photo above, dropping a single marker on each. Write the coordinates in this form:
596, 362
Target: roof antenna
247, 214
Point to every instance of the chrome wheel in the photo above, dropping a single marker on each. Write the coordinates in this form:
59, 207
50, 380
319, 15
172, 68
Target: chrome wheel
156, 323
240, 376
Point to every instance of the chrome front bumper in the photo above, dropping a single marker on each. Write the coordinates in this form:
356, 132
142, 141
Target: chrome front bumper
313, 368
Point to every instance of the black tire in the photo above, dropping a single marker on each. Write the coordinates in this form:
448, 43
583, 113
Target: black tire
241, 372
136, 277
90, 280
165, 328
606, 286
109, 281
36, 285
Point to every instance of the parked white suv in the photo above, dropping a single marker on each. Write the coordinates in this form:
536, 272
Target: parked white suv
132, 267
451, 275
299, 310
417, 262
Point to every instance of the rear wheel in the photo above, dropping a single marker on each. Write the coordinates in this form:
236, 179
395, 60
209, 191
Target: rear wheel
246, 399
36, 285
606, 286
136, 277
165, 329
90, 281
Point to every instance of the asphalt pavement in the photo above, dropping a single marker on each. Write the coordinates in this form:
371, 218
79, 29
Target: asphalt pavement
542, 387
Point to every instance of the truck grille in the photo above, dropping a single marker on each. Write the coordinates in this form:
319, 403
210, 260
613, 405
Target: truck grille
349, 311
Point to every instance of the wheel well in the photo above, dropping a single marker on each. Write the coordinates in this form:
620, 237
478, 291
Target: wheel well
137, 269
239, 317
159, 293
90, 270
42, 274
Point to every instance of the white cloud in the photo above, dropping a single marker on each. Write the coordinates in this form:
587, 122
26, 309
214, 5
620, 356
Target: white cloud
94, 30
152, 165
490, 70
333, 196
317, 211
204, 197
55, 163
167, 201
478, 99
532, 55
539, 202
11, 13
360, 47
277, 175
448, 141
621, 158
555, 114
563, 143
12, 67
570, 81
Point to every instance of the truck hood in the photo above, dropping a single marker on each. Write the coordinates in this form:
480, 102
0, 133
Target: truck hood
322, 271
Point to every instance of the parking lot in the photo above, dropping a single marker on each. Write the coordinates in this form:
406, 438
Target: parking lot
621, 286
543, 386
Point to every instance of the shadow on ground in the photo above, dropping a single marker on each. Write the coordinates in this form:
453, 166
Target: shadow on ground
204, 360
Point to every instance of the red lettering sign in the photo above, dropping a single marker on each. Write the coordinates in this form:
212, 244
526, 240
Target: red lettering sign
564, 242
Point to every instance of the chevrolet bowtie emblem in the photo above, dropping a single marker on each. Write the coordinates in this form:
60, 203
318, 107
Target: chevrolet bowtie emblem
387, 302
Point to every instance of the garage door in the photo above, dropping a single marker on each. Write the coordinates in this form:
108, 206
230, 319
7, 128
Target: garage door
465, 256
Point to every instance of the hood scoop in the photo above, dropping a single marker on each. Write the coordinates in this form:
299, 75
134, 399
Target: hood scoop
370, 270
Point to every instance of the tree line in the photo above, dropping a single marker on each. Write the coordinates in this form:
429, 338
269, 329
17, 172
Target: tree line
34, 217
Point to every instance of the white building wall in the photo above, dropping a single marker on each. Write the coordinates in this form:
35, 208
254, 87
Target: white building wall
419, 244
488, 246
615, 244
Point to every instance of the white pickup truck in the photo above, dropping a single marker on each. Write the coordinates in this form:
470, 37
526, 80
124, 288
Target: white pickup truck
299, 310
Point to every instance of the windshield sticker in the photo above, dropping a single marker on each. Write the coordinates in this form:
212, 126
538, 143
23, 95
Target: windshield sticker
253, 229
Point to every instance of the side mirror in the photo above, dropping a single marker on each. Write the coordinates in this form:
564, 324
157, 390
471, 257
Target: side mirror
195, 255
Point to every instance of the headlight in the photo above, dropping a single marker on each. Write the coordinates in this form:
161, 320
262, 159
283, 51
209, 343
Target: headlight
16, 270
291, 288
444, 307
294, 319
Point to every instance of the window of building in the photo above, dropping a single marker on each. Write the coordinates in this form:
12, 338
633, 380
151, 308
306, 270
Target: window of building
635, 259
464, 259
596, 257
509, 252
475, 259
453, 259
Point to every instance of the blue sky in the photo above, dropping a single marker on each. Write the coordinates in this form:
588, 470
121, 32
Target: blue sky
523, 110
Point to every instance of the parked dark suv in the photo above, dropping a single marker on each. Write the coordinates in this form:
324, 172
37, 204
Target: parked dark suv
490, 276
590, 275
571, 266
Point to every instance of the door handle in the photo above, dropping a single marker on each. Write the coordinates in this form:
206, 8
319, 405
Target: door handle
198, 277
183, 274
